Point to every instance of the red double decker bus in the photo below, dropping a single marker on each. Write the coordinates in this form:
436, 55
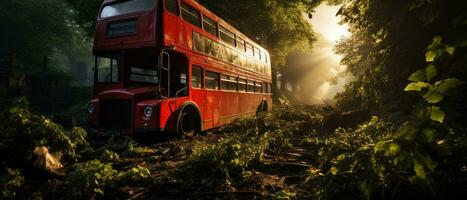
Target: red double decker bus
172, 65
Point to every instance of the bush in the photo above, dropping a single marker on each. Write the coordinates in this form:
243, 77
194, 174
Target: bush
139, 175
11, 182
22, 131
89, 179
227, 159
346, 162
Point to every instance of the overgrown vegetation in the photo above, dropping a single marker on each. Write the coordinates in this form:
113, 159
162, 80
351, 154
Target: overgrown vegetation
409, 63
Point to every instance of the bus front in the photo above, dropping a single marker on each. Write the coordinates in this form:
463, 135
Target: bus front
131, 77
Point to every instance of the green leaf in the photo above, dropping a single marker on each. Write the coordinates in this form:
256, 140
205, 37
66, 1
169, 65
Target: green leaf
406, 132
419, 170
430, 72
334, 170
429, 134
436, 42
380, 146
418, 86
447, 86
394, 148
450, 50
432, 96
430, 56
419, 75
420, 113
436, 114
341, 157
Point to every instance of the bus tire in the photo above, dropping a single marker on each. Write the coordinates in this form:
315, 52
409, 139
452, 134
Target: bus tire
188, 122
262, 108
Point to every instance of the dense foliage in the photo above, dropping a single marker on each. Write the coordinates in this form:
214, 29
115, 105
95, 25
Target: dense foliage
408, 60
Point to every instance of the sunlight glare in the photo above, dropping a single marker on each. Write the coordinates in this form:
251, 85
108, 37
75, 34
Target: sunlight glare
324, 79
326, 22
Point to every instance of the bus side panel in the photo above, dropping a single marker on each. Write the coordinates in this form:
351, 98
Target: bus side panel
168, 113
229, 106
199, 97
171, 29
212, 108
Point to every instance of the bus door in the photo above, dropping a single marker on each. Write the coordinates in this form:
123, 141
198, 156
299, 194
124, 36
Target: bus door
197, 94
174, 80
213, 104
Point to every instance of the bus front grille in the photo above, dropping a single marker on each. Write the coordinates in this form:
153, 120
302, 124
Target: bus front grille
115, 114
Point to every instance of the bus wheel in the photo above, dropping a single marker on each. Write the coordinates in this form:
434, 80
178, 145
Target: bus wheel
188, 123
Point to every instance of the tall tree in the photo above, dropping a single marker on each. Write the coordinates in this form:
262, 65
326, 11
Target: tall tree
33, 29
387, 45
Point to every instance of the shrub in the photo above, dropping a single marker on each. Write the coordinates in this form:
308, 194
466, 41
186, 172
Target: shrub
227, 159
22, 131
89, 179
346, 162
139, 175
11, 182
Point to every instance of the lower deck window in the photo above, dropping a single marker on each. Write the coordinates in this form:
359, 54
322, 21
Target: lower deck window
211, 80
228, 83
258, 87
196, 77
265, 87
241, 85
251, 86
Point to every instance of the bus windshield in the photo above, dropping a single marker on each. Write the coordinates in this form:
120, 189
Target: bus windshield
125, 7
107, 69
143, 67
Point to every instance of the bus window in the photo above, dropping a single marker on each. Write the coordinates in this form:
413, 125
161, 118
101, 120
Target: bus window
265, 87
250, 86
258, 87
210, 26
241, 85
125, 7
228, 83
191, 15
269, 88
211, 80
264, 58
107, 70
196, 77
249, 49
172, 6
227, 36
241, 44
257, 54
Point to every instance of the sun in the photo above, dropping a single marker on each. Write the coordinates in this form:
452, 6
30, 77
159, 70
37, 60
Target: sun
326, 23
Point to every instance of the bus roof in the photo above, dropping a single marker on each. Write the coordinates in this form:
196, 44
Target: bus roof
214, 17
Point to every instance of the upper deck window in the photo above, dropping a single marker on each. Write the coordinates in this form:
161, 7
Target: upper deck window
125, 7
227, 36
264, 57
210, 26
241, 44
257, 53
249, 49
191, 15
172, 6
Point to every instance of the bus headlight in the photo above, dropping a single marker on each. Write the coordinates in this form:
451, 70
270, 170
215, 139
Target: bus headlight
91, 108
148, 111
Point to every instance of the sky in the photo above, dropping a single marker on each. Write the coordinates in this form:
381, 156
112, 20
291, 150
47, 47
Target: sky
326, 22
323, 61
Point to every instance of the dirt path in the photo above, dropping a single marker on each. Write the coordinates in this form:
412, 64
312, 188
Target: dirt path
277, 171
